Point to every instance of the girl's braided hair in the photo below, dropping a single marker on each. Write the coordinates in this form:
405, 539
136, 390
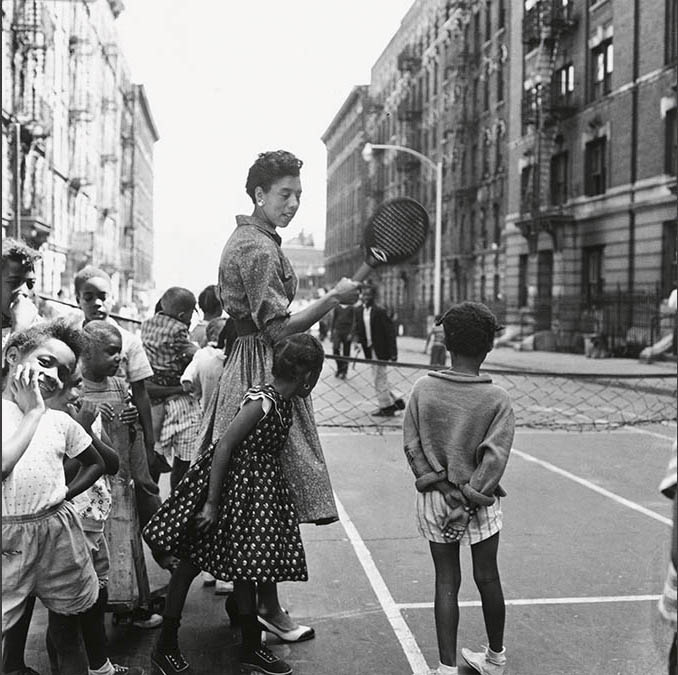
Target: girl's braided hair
270, 167
470, 328
296, 355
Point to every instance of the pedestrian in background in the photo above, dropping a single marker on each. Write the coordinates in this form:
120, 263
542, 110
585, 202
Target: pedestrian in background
457, 433
436, 340
341, 326
376, 333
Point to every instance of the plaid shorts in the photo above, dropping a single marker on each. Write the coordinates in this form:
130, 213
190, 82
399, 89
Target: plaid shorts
432, 510
180, 427
46, 555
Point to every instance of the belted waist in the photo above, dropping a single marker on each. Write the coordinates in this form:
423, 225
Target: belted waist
245, 327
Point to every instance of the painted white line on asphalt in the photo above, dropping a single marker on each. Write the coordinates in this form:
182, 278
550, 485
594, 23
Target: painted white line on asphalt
592, 486
544, 601
395, 618
648, 433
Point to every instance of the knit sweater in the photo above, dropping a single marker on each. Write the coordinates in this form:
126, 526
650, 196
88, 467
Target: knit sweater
460, 428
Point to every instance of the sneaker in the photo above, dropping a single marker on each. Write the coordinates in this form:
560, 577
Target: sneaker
147, 620
388, 411
208, 579
399, 404
263, 660
171, 663
223, 587
486, 662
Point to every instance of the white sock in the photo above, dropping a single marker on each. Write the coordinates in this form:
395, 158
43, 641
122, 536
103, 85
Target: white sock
447, 670
498, 658
106, 669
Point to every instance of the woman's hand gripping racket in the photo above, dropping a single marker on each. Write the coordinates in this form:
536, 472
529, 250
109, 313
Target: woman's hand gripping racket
394, 233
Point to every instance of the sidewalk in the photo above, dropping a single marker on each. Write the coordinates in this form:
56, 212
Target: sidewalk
411, 350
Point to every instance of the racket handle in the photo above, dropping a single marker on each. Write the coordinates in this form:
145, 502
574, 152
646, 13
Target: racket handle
362, 273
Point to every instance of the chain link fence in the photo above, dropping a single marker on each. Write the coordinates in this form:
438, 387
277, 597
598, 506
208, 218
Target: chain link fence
555, 401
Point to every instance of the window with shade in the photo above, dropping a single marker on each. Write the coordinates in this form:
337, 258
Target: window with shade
602, 64
559, 167
671, 148
595, 166
592, 273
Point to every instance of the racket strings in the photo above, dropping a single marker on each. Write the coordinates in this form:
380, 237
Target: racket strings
397, 231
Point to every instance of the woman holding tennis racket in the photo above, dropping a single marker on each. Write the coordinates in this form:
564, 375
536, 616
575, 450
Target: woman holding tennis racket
256, 286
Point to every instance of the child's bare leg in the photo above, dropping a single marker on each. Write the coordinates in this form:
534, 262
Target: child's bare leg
486, 576
14, 641
446, 607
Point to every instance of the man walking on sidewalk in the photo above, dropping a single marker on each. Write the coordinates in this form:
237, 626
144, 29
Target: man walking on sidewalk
376, 334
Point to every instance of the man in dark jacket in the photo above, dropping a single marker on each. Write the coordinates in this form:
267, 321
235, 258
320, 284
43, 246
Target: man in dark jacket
341, 323
376, 334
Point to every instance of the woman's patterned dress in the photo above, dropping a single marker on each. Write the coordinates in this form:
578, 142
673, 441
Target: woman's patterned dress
256, 537
257, 283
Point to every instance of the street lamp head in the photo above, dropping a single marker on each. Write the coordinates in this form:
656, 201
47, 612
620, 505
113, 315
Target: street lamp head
367, 152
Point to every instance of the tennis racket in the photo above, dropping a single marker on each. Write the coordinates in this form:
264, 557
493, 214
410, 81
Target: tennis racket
394, 233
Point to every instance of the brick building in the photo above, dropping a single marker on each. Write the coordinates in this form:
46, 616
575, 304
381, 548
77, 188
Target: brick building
75, 144
439, 88
591, 230
559, 156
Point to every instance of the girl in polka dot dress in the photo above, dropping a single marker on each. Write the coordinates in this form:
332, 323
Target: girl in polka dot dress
232, 514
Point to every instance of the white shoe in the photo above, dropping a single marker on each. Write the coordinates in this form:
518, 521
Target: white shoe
151, 621
207, 579
223, 587
486, 662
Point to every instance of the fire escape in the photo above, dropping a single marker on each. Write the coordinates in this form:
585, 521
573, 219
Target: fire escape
32, 35
544, 104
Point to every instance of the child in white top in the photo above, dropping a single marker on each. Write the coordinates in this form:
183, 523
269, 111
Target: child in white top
45, 553
458, 431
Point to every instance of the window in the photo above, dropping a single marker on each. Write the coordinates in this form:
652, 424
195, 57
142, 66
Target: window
592, 273
526, 189
476, 32
496, 217
671, 148
671, 40
474, 163
669, 257
499, 145
500, 81
483, 229
496, 295
501, 15
602, 63
559, 165
488, 21
486, 90
595, 166
483, 290
522, 280
564, 84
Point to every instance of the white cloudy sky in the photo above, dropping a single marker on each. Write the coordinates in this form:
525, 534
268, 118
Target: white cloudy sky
228, 79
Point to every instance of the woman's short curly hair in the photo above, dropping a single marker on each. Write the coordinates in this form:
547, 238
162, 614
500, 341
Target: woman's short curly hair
296, 355
470, 329
15, 250
270, 167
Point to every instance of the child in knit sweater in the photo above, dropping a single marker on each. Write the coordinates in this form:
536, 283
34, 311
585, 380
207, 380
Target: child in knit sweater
458, 431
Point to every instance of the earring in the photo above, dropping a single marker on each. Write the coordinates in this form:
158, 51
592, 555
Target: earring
260, 202
307, 386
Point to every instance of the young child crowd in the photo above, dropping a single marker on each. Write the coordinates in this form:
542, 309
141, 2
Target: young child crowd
73, 389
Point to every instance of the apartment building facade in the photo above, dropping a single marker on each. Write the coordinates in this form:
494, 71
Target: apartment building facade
591, 226
72, 146
439, 88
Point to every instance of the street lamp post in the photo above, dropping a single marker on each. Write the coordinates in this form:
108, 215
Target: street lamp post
438, 169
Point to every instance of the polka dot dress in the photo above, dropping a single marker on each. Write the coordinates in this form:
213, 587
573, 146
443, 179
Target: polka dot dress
256, 537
